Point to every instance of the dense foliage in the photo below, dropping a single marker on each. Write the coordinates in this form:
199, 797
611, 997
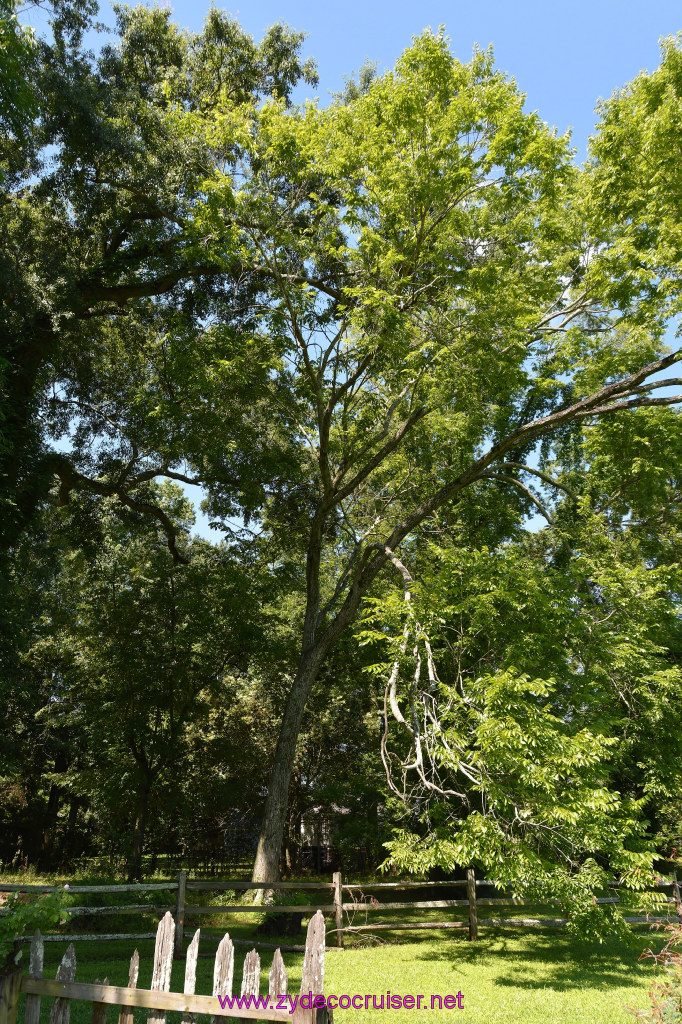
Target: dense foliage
381, 334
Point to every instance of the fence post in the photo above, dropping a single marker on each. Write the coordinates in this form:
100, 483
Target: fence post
471, 896
678, 898
10, 982
338, 908
179, 913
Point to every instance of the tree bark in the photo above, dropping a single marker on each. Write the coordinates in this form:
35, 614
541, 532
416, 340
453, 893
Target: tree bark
290, 860
266, 866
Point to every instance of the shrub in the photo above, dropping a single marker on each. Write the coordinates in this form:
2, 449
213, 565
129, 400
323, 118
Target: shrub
22, 914
666, 992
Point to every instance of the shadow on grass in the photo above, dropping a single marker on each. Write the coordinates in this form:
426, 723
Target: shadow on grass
550, 959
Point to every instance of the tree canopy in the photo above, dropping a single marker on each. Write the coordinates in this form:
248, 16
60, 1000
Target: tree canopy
402, 319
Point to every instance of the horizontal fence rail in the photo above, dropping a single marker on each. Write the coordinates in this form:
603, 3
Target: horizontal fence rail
270, 908
349, 899
92, 937
131, 908
133, 887
407, 885
215, 886
147, 998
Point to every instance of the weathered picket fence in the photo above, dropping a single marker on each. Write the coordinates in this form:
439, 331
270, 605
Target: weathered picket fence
159, 999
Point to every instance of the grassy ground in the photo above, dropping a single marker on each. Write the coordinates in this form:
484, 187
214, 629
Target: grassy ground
507, 977
511, 978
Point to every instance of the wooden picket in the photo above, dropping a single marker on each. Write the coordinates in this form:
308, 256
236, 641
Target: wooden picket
223, 970
312, 977
10, 988
35, 970
279, 980
66, 972
191, 973
99, 1010
126, 1014
250, 976
159, 999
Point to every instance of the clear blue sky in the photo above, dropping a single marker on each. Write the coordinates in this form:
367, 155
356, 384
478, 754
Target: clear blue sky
564, 56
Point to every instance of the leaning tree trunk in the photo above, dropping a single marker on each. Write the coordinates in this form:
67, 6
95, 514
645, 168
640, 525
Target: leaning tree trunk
290, 857
266, 867
314, 651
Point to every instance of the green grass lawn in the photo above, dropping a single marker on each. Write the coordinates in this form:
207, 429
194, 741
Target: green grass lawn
513, 977
510, 976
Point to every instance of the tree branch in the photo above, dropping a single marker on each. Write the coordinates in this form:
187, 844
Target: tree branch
490, 475
606, 400
543, 476
379, 457
71, 479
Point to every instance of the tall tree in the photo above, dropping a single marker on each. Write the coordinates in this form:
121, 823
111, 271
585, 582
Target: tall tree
394, 300
440, 304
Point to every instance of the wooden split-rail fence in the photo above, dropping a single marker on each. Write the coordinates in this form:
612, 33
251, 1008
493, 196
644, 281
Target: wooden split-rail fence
159, 999
345, 902
360, 902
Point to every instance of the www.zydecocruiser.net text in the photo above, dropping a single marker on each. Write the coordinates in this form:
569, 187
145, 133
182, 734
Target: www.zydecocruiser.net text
388, 1001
